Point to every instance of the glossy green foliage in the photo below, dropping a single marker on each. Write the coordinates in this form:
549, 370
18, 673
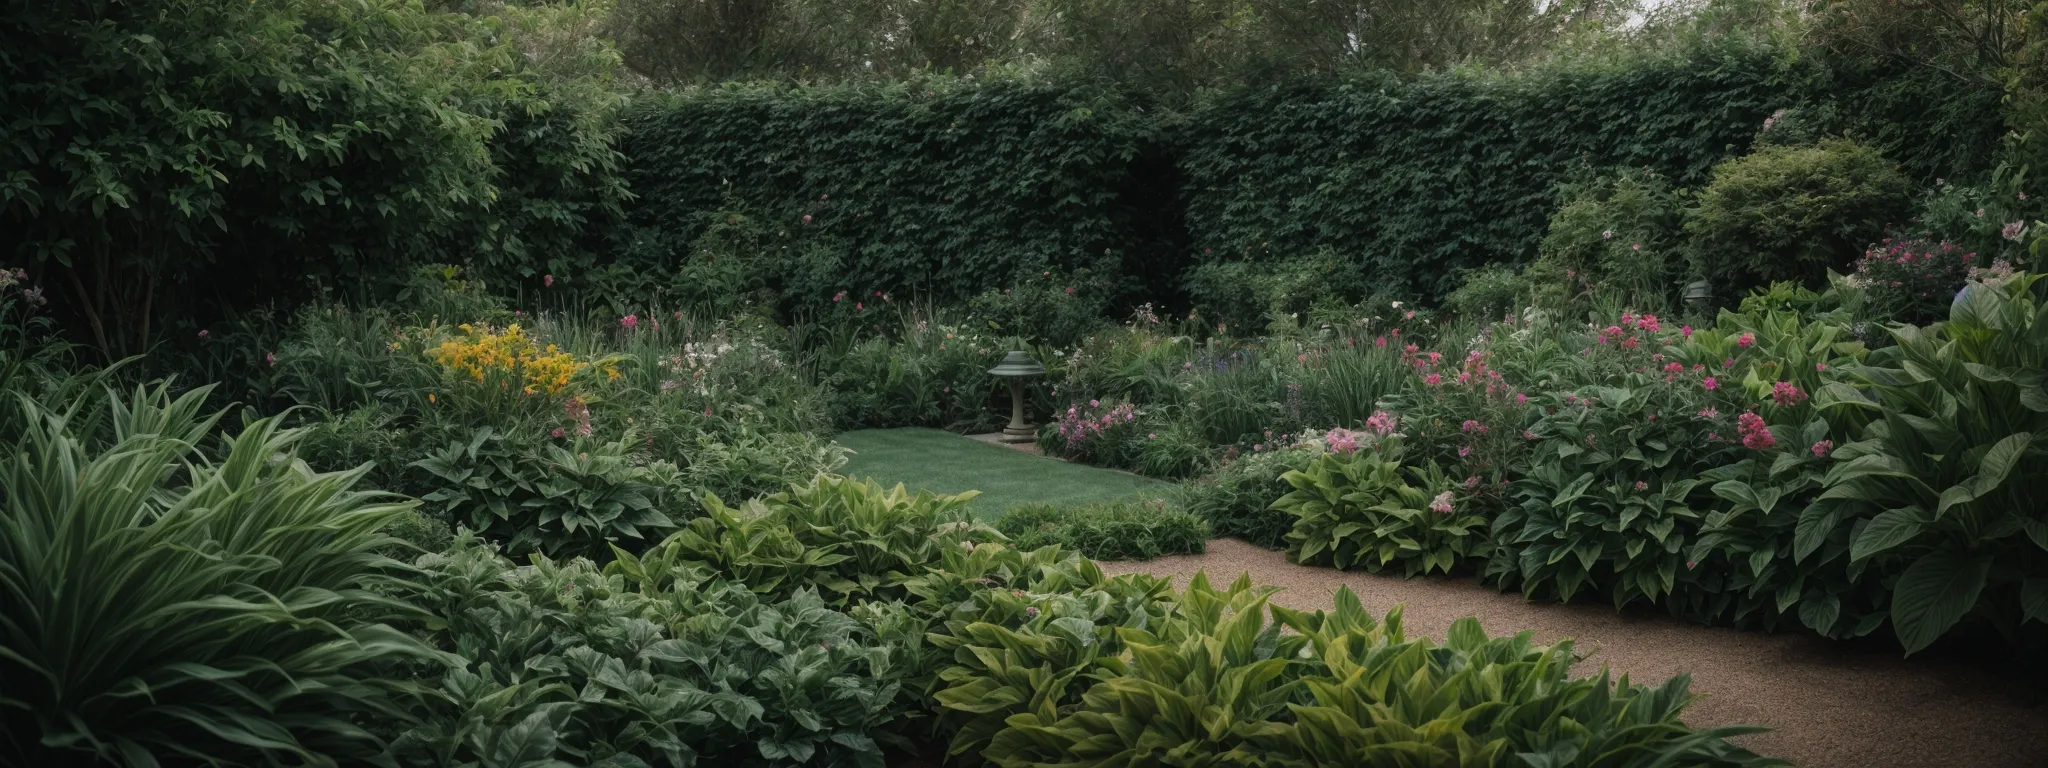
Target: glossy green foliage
1948, 488
1410, 182
930, 187
846, 538
561, 501
1609, 502
164, 603
1116, 530
1363, 509
1217, 682
568, 666
1237, 499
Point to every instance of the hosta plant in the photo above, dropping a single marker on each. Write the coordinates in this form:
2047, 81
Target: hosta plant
567, 665
1219, 682
848, 538
1949, 489
164, 604
1360, 508
557, 500
1611, 499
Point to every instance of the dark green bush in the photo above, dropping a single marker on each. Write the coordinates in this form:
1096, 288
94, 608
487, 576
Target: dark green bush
1120, 530
1618, 235
1237, 499
1791, 213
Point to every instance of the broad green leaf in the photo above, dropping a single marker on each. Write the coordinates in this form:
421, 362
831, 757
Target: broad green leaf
1933, 594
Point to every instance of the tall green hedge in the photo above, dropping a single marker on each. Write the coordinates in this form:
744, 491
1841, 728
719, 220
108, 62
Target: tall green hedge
939, 188
1409, 181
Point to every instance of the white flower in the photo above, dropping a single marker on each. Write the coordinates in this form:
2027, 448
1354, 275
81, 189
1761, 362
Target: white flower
1396, 305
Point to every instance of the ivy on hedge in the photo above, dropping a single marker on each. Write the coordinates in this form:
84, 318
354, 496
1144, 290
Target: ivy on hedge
1410, 181
941, 188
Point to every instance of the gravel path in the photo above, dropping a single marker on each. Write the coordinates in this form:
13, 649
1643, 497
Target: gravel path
1828, 705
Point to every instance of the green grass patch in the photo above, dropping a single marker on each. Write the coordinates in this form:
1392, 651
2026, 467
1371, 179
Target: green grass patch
944, 462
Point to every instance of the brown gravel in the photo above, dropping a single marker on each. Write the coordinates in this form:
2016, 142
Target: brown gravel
1828, 705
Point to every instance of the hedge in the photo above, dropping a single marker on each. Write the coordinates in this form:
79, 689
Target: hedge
940, 188
1411, 181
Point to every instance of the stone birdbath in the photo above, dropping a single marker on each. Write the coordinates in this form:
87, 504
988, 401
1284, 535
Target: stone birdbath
1016, 367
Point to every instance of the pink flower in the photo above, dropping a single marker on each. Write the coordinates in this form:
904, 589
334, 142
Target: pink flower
1786, 393
807, 218
1382, 422
1472, 482
1728, 363
1685, 330
1464, 450
202, 334
1674, 367
1629, 343
1528, 435
1649, 323
838, 297
1521, 399
1380, 342
1341, 441
1707, 413
271, 358
1821, 367
1472, 425
1641, 486
1409, 316
1823, 448
1745, 340
630, 321
1710, 383
1095, 403
1433, 379
1070, 290
1755, 434
558, 432
547, 281
1441, 504
859, 306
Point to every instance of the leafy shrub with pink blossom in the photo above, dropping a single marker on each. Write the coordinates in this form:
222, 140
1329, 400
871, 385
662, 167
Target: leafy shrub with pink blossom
1911, 280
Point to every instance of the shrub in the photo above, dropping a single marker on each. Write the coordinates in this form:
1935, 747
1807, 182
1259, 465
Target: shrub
1493, 291
227, 597
1618, 235
1911, 281
1945, 488
847, 538
562, 663
1296, 696
1237, 499
1120, 530
1357, 507
1108, 434
1791, 213
581, 499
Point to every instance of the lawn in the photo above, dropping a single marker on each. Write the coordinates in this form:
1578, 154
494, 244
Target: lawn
944, 462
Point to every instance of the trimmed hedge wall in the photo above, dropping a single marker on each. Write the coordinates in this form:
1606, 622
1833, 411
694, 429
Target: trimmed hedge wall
1412, 181
1363, 186
937, 188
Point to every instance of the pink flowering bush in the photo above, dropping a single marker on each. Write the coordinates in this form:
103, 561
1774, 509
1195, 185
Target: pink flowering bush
1911, 280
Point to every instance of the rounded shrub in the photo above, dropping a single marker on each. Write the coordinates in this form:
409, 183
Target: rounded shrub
1791, 213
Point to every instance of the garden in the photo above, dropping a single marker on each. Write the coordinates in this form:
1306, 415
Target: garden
532, 384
